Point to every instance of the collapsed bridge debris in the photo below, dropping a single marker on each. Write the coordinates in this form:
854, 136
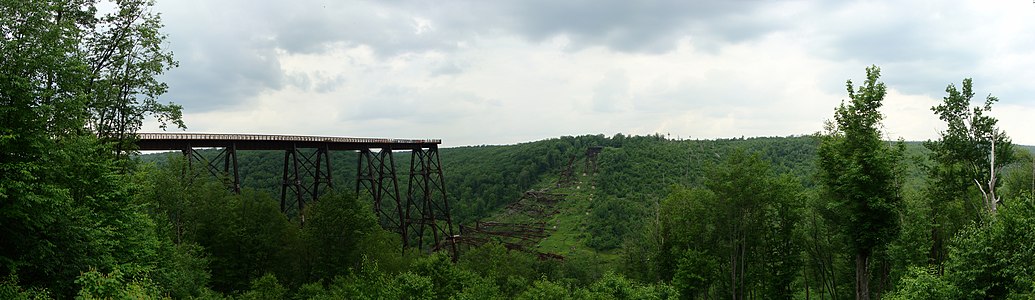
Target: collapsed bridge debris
520, 236
534, 205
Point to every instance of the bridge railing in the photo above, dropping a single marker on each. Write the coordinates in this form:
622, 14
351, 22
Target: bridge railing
279, 138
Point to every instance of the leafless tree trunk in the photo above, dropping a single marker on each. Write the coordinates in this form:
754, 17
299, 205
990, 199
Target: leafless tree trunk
988, 191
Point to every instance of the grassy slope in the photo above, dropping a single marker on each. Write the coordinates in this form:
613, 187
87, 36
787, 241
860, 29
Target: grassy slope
571, 235
657, 159
568, 226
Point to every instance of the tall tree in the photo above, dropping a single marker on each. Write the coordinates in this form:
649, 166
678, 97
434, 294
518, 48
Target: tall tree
856, 169
63, 209
972, 150
40, 101
124, 54
968, 157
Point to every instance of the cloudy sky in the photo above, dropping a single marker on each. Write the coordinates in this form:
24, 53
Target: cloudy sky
501, 72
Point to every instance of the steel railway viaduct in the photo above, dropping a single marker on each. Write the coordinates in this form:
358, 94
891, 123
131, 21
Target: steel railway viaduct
422, 213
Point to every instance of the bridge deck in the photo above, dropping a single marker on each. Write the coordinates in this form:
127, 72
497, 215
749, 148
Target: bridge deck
179, 141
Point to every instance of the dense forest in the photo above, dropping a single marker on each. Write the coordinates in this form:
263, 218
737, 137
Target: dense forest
838, 214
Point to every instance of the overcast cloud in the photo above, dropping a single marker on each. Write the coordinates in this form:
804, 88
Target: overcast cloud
492, 72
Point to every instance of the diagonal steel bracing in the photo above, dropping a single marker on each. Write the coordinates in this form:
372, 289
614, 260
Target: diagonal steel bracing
421, 218
227, 155
376, 176
427, 202
306, 176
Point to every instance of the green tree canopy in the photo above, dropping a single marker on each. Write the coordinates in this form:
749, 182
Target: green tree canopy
857, 171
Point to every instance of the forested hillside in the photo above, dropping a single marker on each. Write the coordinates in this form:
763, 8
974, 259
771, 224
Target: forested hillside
482, 179
647, 192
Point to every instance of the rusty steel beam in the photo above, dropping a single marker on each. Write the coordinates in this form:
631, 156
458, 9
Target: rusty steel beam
474, 237
591, 158
568, 174
522, 236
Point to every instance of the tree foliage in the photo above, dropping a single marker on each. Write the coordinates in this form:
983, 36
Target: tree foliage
611, 221
64, 206
995, 260
857, 170
964, 185
970, 152
124, 56
734, 235
339, 231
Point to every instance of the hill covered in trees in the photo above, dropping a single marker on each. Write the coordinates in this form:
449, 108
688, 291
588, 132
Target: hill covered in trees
655, 207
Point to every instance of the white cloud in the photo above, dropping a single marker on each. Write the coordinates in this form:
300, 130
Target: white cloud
910, 117
1016, 120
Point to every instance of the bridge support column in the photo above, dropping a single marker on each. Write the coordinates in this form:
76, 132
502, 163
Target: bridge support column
427, 203
228, 173
303, 175
376, 175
